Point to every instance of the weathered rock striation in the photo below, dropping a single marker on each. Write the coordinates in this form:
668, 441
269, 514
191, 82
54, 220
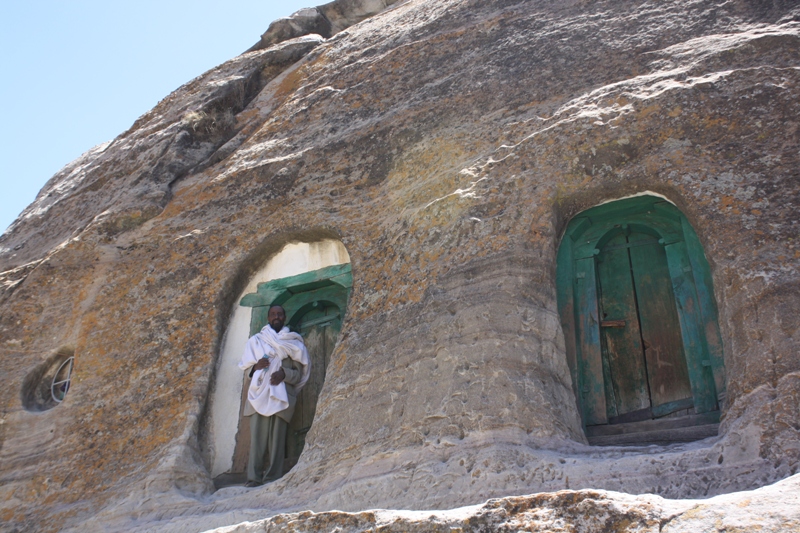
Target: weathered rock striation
447, 144
565, 511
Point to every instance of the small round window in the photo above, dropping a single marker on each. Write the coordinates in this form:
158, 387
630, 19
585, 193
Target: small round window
60, 384
48, 383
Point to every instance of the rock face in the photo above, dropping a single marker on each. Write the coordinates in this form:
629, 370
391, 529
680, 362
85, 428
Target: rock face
565, 511
325, 20
447, 144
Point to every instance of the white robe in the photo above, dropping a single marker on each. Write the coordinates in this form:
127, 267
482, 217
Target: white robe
269, 399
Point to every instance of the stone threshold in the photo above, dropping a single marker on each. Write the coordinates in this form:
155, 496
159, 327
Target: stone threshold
659, 431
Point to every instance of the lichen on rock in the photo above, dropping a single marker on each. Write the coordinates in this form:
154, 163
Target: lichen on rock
446, 145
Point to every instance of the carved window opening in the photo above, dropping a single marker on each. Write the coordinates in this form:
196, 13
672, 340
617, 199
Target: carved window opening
47, 385
637, 308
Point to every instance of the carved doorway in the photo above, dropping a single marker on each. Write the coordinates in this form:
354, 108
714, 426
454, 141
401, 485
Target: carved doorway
315, 303
639, 318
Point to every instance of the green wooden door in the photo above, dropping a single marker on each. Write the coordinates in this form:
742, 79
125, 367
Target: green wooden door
319, 327
644, 364
636, 302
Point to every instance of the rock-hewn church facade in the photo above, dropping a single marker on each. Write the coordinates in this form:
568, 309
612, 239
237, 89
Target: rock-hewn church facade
532, 247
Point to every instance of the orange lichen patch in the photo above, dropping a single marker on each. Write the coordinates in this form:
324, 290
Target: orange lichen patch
192, 197
399, 165
621, 100
713, 122
296, 78
338, 363
675, 112
645, 112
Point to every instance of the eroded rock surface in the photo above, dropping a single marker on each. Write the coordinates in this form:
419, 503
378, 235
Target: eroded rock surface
326, 20
566, 511
447, 144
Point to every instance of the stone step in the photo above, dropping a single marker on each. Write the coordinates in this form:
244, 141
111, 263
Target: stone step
658, 431
658, 436
230, 479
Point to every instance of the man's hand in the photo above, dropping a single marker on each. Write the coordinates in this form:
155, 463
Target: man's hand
277, 377
262, 363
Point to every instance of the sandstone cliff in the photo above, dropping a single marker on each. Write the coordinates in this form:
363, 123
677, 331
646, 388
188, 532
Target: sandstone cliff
447, 144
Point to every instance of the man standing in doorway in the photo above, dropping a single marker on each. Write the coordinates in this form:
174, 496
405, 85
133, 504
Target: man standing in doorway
279, 367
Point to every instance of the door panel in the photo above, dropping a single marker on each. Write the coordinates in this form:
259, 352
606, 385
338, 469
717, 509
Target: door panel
590, 369
694, 341
643, 350
619, 325
666, 362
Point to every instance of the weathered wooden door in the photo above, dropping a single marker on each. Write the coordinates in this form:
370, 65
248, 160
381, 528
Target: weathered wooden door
319, 327
636, 302
644, 364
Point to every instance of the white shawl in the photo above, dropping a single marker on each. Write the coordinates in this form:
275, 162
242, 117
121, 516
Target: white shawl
269, 399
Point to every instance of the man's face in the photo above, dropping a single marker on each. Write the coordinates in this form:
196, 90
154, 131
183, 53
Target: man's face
276, 318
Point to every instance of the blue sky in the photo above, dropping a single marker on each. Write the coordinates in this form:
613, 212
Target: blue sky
76, 73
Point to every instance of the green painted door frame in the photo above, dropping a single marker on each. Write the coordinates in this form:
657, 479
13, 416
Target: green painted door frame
579, 302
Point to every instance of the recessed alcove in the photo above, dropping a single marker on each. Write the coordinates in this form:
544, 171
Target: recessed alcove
47, 385
639, 317
312, 281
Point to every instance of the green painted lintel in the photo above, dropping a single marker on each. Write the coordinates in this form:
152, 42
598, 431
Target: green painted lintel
277, 291
668, 210
345, 280
578, 227
620, 209
306, 278
255, 299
